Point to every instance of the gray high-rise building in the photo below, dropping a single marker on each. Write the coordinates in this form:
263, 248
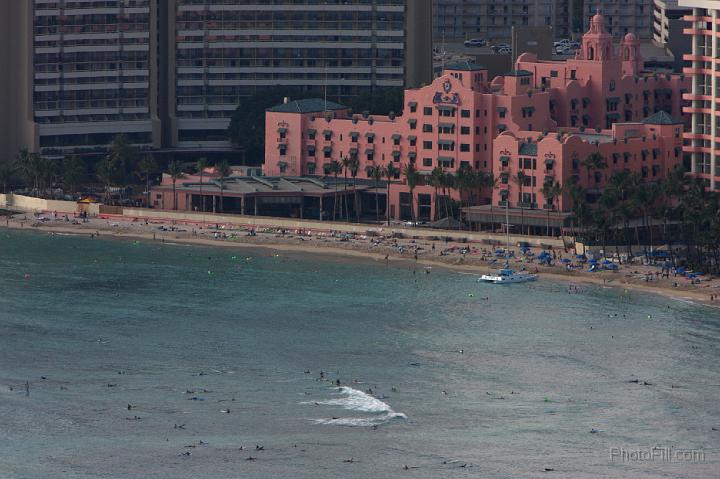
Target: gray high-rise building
225, 50
169, 73
493, 19
622, 16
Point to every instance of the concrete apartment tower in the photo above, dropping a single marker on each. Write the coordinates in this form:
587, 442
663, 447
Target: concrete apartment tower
494, 20
622, 16
701, 141
169, 73
16, 121
224, 51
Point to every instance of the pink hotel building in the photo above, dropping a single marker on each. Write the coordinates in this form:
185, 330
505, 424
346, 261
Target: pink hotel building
543, 118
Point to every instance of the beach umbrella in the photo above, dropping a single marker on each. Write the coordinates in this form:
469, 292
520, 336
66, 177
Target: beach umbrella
580, 256
593, 261
606, 261
566, 260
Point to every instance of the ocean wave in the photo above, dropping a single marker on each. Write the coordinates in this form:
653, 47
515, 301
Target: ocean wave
355, 400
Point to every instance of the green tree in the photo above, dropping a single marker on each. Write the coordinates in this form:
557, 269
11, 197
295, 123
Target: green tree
175, 170
551, 190
147, 166
412, 178
7, 170
376, 173
521, 178
593, 162
379, 101
73, 172
436, 181
30, 167
247, 124
201, 165
335, 168
124, 156
390, 171
224, 171
354, 165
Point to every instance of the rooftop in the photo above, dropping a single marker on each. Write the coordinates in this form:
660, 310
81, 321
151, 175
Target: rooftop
270, 185
661, 118
465, 65
307, 105
593, 137
518, 73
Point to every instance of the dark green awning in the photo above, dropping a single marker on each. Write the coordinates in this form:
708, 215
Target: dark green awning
369, 135
396, 136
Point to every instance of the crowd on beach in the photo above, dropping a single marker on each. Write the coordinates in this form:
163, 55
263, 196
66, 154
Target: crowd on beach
383, 243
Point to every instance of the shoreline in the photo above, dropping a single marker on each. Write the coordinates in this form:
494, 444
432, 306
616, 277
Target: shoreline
331, 246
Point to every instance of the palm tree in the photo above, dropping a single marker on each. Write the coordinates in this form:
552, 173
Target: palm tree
335, 169
376, 173
123, 154
73, 172
520, 179
201, 165
345, 164
412, 178
578, 199
492, 182
224, 171
354, 165
147, 166
551, 190
176, 173
7, 170
107, 171
30, 167
436, 181
390, 172
594, 161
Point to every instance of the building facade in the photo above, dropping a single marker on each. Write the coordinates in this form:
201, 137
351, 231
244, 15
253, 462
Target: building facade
493, 20
603, 84
651, 148
454, 123
226, 51
169, 73
704, 29
91, 78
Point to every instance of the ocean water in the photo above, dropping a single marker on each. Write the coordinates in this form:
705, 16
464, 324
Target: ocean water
214, 349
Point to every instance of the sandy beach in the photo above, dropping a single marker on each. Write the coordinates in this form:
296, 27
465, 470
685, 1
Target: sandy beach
466, 257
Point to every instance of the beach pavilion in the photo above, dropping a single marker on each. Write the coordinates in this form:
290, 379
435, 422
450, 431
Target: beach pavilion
295, 197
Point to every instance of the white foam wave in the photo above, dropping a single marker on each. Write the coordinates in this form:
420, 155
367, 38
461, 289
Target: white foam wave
355, 400
361, 421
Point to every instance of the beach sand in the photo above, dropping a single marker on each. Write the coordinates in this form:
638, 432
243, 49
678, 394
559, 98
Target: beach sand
478, 259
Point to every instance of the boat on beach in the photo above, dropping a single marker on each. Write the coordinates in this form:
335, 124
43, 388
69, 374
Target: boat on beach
507, 276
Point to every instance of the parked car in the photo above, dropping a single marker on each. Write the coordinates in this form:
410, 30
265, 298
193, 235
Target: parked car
502, 48
475, 42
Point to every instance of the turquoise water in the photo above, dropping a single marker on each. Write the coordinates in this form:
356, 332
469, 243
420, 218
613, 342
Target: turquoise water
184, 333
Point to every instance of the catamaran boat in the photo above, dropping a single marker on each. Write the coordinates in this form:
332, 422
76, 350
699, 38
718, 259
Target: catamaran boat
507, 276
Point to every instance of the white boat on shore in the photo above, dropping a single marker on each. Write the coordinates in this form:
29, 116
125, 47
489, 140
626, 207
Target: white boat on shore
507, 276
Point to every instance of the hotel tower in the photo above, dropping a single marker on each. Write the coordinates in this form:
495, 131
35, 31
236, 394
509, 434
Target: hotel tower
169, 73
703, 142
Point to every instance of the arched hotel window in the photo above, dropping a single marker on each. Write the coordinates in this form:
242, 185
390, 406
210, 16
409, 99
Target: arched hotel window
591, 53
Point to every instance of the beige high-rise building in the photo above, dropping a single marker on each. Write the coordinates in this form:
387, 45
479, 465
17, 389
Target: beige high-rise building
169, 73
